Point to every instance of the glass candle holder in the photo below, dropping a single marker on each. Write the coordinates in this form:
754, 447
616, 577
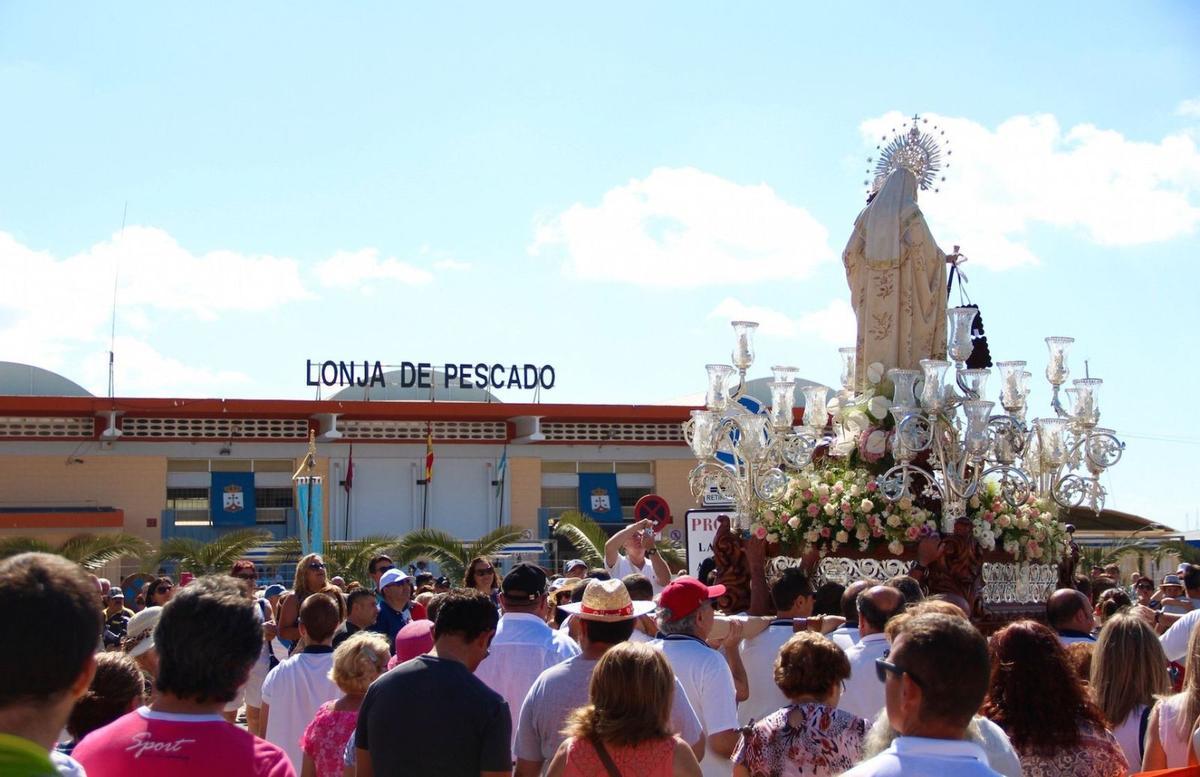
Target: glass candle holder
743, 346
1057, 371
784, 374
703, 434
816, 407
782, 403
849, 357
978, 413
717, 395
752, 430
958, 332
1052, 443
1087, 400
1012, 384
900, 450
976, 381
934, 375
905, 386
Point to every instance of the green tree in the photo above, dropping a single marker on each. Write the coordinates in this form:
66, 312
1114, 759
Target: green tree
349, 559
451, 553
90, 551
213, 557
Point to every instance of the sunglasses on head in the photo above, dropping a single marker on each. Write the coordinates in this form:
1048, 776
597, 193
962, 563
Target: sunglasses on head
883, 668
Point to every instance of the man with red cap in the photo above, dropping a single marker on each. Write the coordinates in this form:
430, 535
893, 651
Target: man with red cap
685, 619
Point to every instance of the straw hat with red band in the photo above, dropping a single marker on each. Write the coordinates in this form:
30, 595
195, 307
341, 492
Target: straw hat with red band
684, 595
608, 601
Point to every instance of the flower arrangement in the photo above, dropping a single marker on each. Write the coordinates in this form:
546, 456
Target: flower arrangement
832, 506
1030, 530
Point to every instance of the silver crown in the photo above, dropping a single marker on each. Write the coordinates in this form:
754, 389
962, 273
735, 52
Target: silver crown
915, 149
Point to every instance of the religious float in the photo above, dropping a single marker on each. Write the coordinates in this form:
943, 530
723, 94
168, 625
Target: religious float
908, 468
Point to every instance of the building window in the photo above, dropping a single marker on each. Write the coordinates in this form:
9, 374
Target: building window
274, 497
187, 499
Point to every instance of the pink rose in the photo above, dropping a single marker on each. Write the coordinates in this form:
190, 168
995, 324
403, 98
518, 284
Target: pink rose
872, 486
876, 531
760, 532
813, 511
848, 522
913, 532
988, 516
824, 500
838, 488
807, 494
825, 532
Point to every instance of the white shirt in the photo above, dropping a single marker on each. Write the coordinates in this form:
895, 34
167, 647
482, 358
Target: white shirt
295, 690
758, 656
523, 648
1127, 735
706, 679
625, 567
864, 693
845, 636
910, 756
1175, 639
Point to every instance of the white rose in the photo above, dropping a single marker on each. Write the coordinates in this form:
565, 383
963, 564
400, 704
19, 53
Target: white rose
830, 509
866, 506
812, 535
803, 483
893, 520
794, 522
877, 442
855, 490
879, 407
875, 372
862, 532
772, 537
856, 422
905, 503
1004, 522
822, 489
896, 547
842, 536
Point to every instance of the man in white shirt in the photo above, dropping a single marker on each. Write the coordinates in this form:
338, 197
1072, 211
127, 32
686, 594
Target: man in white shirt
637, 540
793, 598
864, 691
524, 645
847, 634
294, 690
935, 678
606, 617
1070, 614
1175, 639
685, 618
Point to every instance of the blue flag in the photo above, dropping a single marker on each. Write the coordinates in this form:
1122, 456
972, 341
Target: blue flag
231, 499
598, 497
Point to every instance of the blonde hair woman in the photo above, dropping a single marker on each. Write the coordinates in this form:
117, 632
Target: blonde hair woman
356, 664
1129, 669
311, 578
624, 729
1169, 730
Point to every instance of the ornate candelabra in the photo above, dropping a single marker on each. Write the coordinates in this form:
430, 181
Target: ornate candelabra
947, 438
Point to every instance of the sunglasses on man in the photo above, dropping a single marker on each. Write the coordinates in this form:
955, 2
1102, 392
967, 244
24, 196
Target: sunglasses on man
883, 668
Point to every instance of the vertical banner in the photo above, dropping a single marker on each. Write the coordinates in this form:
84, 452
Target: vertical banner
598, 498
231, 499
312, 526
302, 495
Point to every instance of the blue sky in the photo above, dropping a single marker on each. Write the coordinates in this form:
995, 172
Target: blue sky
600, 189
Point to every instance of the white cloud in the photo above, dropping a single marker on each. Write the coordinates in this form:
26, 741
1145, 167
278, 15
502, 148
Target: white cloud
685, 227
349, 269
1029, 171
834, 323
56, 312
1189, 108
451, 264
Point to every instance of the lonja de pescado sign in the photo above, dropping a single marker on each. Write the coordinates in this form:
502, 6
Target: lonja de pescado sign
421, 374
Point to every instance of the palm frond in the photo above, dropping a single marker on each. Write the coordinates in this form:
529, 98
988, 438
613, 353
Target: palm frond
351, 558
216, 556
15, 546
92, 551
671, 553
449, 552
585, 535
493, 542
286, 551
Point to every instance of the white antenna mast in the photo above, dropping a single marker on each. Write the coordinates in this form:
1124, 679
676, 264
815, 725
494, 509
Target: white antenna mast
112, 336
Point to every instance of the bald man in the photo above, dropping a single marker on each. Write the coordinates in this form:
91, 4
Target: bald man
864, 694
1069, 613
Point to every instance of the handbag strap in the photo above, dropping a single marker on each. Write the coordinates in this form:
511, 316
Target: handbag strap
605, 759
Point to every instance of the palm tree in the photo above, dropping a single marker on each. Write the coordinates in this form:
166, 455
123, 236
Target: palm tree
215, 557
348, 559
452, 554
90, 551
588, 538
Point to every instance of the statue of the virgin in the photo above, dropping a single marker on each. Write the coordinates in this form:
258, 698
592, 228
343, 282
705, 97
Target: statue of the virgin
896, 272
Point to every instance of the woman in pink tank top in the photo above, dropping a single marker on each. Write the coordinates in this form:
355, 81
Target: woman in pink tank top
624, 731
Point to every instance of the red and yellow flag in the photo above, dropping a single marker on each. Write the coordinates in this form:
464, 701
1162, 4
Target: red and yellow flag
429, 455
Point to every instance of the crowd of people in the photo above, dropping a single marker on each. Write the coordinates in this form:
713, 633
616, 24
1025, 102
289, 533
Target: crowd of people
625, 670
